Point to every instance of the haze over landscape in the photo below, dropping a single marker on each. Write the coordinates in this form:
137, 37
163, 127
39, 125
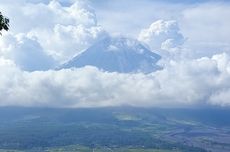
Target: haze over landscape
117, 58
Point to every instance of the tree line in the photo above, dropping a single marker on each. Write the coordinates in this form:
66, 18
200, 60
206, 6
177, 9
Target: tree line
4, 23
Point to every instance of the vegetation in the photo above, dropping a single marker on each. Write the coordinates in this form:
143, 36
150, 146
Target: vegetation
4, 23
118, 129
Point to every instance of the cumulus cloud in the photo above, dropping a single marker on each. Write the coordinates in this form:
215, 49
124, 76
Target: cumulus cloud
43, 33
61, 31
162, 35
197, 82
25, 52
72, 29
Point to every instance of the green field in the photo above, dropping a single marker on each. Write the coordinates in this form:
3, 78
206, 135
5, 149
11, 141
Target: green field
86, 149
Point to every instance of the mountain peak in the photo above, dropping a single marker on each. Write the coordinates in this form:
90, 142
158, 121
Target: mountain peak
117, 54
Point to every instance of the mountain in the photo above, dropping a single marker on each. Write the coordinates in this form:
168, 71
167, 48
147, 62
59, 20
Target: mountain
116, 54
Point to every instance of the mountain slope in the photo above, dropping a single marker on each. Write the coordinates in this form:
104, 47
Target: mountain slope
117, 55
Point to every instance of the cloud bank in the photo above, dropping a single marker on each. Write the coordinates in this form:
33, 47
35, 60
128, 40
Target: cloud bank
198, 82
44, 35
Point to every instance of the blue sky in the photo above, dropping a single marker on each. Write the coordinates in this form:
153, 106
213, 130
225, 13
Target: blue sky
191, 36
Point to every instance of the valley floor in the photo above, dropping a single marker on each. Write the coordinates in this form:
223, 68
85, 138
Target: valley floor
114, 130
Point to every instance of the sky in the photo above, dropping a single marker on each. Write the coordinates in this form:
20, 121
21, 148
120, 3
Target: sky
193, 38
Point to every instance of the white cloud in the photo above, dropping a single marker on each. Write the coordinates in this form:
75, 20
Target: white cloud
25, 52
195, 82
162, 35
66, 41
61, 31
41, 30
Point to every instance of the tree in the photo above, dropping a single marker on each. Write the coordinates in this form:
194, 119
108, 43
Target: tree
4, 23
